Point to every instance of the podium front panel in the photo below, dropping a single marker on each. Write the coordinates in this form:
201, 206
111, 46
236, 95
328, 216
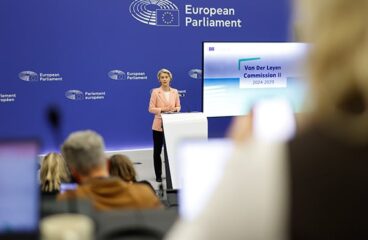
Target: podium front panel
177, 127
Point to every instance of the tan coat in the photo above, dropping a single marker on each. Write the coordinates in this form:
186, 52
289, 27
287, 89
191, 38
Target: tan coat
113, 193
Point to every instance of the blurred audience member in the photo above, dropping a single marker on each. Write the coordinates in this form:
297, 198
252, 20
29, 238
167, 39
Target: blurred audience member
122, 167
52, 173
84, 152
315, 186
328, 190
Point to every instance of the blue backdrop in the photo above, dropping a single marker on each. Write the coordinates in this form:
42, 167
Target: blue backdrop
92, 63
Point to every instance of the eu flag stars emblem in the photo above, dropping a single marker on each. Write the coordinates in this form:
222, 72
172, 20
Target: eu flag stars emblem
167, 17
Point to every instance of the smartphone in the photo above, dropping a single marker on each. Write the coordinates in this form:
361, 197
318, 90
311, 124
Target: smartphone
273, 120
67, 187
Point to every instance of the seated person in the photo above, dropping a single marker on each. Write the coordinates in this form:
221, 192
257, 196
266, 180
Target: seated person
52, 173
122, 167
84, 153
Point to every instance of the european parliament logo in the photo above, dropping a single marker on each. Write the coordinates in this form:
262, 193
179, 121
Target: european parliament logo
195, 73
28, 76
74, 95
117, 75
155, 12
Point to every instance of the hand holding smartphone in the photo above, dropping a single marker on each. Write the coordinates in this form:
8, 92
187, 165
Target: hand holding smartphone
273, 120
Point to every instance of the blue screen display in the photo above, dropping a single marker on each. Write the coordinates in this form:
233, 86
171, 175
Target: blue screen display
19, 188
237, 75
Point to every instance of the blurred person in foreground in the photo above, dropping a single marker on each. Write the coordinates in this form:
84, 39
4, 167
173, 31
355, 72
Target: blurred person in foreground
84, 152
52, 173
315, 185
121, 166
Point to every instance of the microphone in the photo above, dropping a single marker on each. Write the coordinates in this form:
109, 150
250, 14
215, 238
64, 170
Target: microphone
53, 116
54, 119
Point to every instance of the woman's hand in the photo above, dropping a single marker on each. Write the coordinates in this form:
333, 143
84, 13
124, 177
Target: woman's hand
165, 109
241, 129
168, 109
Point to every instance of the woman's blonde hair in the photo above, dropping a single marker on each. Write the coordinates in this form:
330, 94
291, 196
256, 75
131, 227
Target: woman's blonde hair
53, 172
164, 70
122, 167
338, 31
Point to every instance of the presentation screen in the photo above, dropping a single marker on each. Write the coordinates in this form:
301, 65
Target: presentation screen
238, 74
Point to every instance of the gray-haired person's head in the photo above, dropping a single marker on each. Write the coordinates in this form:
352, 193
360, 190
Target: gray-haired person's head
84, 151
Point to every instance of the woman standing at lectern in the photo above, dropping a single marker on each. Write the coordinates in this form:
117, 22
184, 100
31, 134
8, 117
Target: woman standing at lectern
163, 100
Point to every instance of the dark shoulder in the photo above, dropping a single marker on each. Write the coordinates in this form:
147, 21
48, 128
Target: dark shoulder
49, 194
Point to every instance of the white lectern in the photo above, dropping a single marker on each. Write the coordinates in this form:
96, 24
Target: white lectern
179, 126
